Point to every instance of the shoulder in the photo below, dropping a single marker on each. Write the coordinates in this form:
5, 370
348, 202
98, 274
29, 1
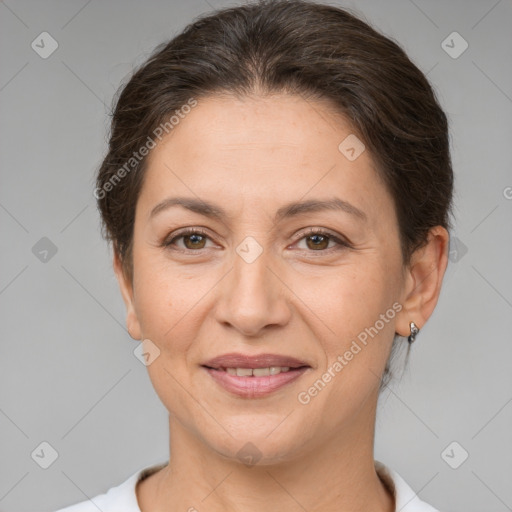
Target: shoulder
121, 497
405, 498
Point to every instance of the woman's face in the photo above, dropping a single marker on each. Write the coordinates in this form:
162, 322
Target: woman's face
256, 281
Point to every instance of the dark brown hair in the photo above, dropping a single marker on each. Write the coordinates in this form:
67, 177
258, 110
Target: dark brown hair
296, 47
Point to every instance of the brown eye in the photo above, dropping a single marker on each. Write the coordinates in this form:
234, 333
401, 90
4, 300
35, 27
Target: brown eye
193, 240
317, 242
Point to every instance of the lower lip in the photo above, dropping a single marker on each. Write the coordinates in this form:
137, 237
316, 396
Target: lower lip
254, 387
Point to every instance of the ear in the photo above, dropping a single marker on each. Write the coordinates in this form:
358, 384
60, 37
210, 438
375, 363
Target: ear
424, 277
126, 287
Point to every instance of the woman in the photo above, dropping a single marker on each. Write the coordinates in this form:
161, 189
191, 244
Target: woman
277, 191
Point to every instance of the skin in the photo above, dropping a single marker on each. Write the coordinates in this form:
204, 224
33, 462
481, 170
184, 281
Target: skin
198, 299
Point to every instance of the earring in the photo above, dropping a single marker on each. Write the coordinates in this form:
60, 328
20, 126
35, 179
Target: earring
414, 332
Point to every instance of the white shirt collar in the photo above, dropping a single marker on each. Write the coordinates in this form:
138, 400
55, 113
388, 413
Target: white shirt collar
123, 496
406, 500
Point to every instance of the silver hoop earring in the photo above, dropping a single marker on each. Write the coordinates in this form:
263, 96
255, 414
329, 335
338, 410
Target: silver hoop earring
414, 332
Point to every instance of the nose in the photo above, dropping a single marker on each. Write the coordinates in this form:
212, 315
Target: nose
253, 296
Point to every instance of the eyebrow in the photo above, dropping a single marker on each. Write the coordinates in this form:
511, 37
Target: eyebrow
289, 210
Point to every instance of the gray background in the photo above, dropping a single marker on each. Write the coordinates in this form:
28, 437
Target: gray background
68, 375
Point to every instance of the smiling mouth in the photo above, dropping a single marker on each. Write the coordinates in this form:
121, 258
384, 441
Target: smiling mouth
255, 382
256, 372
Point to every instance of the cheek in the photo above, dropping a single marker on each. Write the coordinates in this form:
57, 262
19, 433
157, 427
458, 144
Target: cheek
170, 306
359, 296
160, 303
359, 306
166, 317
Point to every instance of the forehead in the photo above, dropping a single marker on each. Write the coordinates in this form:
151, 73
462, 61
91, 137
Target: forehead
256, 150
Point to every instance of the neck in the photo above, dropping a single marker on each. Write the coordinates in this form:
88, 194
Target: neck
336, 473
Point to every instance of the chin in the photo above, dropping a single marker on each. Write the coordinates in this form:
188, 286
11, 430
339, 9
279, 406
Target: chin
264, 442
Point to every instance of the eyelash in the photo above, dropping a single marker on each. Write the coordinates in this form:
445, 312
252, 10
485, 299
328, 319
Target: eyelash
341, 244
